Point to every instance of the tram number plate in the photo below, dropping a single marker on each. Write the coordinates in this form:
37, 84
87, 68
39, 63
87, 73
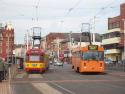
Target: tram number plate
34, 65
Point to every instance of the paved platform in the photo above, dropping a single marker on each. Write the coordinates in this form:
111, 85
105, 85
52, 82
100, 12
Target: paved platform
5, 88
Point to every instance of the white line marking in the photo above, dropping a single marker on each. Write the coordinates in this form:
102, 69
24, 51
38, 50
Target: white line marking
45, 88
69, 91
35, 76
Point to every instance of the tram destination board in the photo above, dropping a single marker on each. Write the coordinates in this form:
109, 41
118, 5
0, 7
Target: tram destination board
93, 47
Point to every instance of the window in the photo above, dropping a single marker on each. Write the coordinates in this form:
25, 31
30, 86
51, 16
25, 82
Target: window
0, 43
34, 58
93, 55
101, 56
7, 35
117, 34
110, 26
1, 37
7, 51
12, 35
27, 57
0, 51
114, 25
117, 24
111, 35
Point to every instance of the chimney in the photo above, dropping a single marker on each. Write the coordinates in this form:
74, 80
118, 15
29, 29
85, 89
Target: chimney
122, 10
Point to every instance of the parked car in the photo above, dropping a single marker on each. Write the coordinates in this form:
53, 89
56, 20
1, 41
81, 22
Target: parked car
50, 62
108, 61
58, 64
121, 62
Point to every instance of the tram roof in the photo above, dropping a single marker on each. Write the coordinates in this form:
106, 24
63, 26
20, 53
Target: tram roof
35, 51
85, 48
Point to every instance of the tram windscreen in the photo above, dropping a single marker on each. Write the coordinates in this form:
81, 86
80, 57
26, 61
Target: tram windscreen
34, 58
93, 55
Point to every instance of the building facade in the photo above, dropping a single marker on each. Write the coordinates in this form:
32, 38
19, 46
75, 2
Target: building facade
6, 41
52, 36
63, 43
113, 40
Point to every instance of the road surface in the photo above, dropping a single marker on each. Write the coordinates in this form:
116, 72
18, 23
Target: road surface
64, 80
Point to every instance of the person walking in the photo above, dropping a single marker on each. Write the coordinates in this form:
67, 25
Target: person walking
5, 69
1, 70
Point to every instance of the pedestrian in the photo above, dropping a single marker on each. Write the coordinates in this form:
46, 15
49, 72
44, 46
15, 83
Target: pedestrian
1, 70
5, 69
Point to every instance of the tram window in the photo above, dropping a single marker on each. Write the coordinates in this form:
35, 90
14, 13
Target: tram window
34, 58
101, 56
92, 55
27, 57
42, 57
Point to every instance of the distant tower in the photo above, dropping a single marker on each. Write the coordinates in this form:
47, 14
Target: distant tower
6, 41
27, 40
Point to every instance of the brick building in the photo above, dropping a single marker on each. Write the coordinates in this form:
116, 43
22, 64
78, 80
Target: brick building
52, 36
52, 39
64, 41
6, 41
113, 39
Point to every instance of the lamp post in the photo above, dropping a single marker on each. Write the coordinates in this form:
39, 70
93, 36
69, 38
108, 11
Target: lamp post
124, 37
27, 40
81, 35
58, 48
70, 48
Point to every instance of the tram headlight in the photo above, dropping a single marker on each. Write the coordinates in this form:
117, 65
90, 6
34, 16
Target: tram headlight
27, 65
40, 65
85, 67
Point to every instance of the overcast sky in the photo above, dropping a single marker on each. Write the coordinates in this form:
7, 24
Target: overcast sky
57, 15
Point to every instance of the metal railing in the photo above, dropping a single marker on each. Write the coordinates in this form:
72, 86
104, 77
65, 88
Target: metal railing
116, 66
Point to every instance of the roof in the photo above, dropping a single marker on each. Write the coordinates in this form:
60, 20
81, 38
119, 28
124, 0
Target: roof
114, 19
35, 51
76, 37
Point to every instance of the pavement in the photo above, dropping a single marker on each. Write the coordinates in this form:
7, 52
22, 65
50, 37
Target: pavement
4, 87
63, 80
116, 73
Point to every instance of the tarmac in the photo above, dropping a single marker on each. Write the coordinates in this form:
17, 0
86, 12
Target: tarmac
116, 73
5, 87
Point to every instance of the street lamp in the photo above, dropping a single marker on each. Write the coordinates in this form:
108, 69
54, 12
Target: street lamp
124, 37
70, 48
58, 43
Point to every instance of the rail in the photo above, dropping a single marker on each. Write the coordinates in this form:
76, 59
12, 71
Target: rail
120, 66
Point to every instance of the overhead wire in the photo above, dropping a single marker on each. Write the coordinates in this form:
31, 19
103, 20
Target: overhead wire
92, 20
37, 6
100, 11
72, 8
